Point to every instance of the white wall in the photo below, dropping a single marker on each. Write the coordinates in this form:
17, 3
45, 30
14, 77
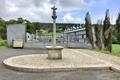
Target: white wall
15, 31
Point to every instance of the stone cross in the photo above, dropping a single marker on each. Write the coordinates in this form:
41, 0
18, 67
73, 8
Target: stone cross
54, 16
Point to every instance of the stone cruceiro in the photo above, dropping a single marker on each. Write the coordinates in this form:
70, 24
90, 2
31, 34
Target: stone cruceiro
54, 52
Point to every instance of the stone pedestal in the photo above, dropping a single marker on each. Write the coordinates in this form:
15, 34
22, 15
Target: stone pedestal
54, 52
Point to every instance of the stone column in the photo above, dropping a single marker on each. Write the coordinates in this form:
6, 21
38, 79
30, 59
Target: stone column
54, 25
54, 32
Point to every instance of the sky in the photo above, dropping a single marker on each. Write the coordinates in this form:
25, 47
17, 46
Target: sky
69, 11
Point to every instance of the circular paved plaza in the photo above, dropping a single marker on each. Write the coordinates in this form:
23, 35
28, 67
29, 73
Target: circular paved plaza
81, 74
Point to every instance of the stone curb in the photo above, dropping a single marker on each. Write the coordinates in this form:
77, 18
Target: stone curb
23, 68
115, 68
39, 70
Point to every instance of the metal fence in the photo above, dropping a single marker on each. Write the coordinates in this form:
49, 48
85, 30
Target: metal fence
71, 41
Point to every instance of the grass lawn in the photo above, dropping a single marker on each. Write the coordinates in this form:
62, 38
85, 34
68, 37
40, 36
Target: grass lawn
116, 49
3, 43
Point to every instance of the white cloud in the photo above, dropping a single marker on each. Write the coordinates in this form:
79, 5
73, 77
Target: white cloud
2, 8
53, 2
114, 18
38, 10
11, 7
72, 3
68, 18
34, 10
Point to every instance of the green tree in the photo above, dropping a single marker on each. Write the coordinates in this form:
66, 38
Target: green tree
88, 25
2, 29
30, 27
107, 32
117, 34
99, 35
12, 21
20, 20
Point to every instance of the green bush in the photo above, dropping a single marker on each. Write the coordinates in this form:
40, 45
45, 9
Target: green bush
118, 38
3, 43
114, 39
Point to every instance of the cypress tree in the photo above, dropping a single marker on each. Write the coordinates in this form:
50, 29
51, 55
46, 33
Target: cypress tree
88, 26
98, 34
107, 32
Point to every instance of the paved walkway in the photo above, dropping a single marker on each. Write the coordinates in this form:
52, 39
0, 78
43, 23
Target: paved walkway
110, 59
71, 59
7, 74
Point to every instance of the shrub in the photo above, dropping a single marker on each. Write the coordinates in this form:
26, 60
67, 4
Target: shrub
118, 38
114, 39
3, 43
